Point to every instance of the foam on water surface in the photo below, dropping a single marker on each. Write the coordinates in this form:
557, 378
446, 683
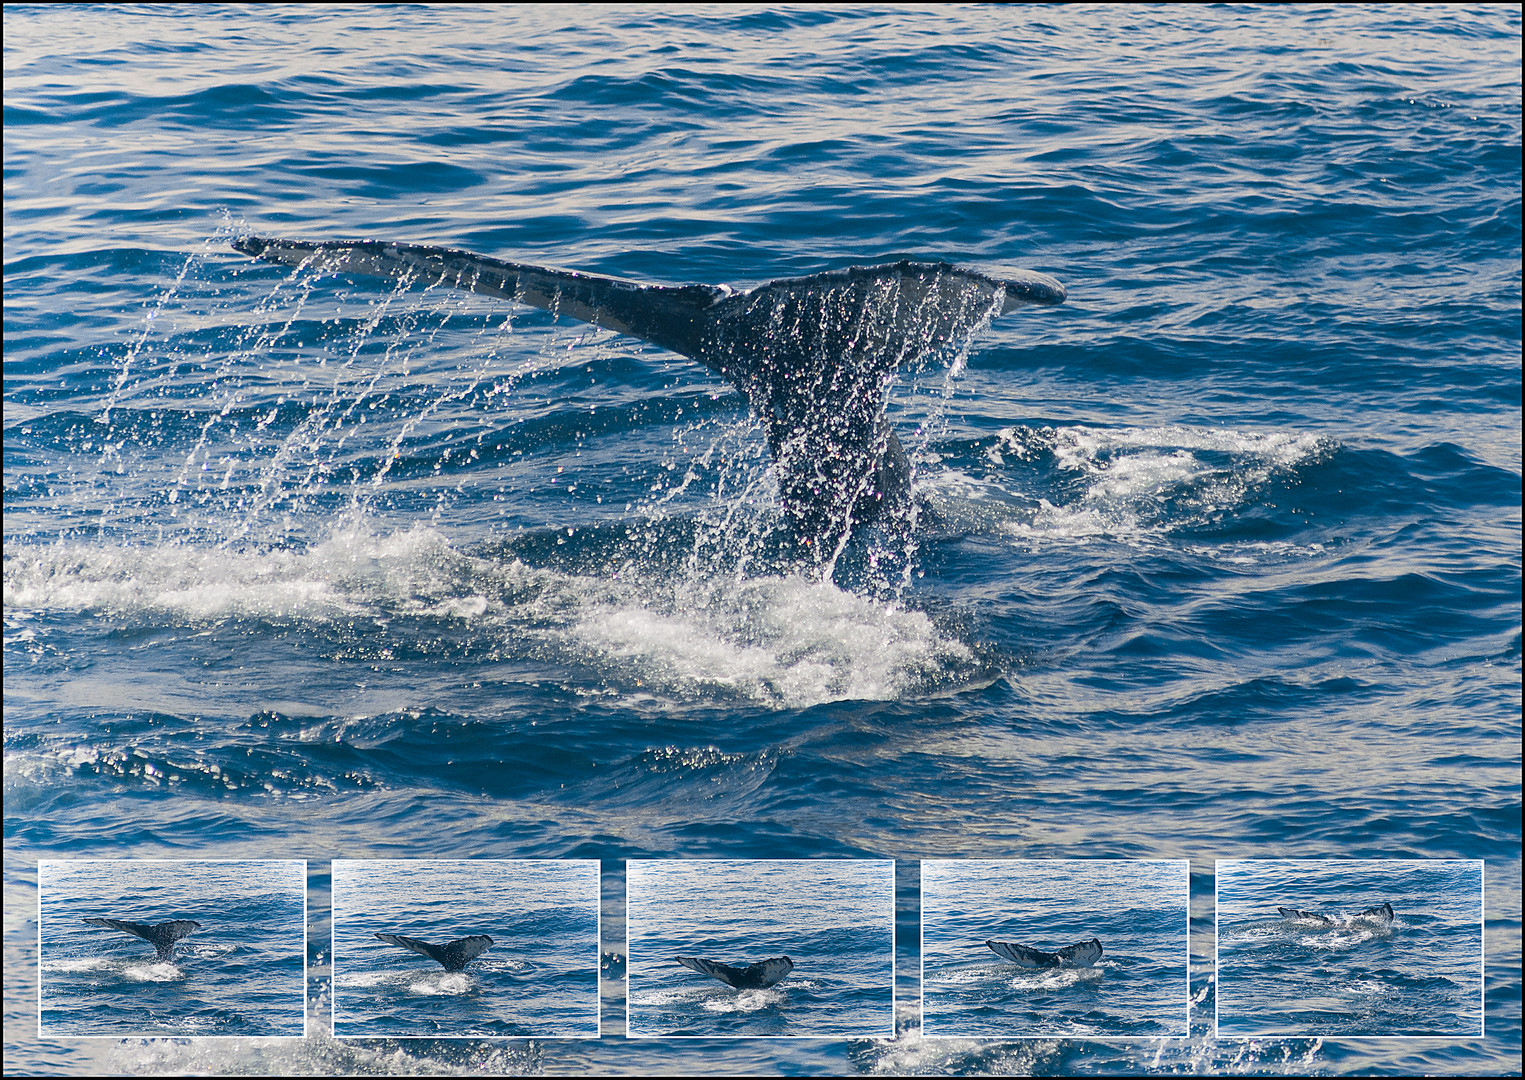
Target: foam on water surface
784, 641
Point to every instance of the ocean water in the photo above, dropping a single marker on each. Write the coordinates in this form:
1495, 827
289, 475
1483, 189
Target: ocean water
1138, 910
1421, 974
538, 978
1220, 559
834, 918
241, 974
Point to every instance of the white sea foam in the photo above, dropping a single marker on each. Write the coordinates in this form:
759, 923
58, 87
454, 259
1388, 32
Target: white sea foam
910, 1053
1131, 483
782, 640
361, 979
1054, 979
138, 971
449, 984
73, 966
147, 972
319, 1053
659, 998
746, 1001
964, 976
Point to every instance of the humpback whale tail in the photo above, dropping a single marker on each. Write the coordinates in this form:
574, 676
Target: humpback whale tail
1080, 954
453, 955
1381, 913
162, 936
758, 976
813, 355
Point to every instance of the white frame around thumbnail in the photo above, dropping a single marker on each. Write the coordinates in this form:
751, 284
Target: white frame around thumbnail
1050, 1035
891, 864
598, 939
1482, 955
41, 1034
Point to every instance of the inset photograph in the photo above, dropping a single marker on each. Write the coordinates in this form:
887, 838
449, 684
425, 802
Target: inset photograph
465, 948
1350, 947
787, 948
176, 947
1041, 948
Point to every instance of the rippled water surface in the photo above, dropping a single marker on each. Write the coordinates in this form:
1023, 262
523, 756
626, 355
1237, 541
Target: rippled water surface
1219, 559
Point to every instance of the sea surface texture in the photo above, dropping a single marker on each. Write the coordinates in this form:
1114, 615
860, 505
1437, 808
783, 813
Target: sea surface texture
1420, 974
1138, 910
1219, 559
242, 973
835, 919
538, 978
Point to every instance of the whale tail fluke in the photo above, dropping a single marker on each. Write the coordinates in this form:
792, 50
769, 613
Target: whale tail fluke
452, 956
668, 316
813, 355
1298, 915
758, 976
162, 936
1382, 913
1080, 954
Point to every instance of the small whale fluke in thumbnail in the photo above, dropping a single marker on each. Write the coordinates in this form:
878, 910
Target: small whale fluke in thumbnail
453, 955
1382, 914
1081, 954
758, 976
162, 936
814, 356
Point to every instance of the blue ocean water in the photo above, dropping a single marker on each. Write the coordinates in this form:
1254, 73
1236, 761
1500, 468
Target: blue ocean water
538, 978
241, 973
1223, 558
1420, 974
834, 918
1138, 910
